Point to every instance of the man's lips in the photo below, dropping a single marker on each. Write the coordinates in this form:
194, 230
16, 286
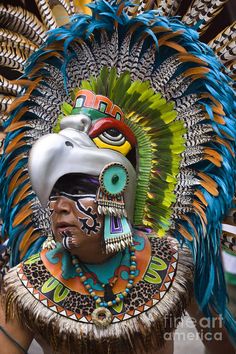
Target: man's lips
63, 226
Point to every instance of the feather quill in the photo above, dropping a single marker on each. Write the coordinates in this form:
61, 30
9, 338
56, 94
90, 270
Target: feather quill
5, 102
8, 87
168, 7
225, 36
23, 22
66, 6
201, 13
17, 40
46, 14
12, 57
228, 51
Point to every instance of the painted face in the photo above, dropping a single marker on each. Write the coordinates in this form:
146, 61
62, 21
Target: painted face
74, 215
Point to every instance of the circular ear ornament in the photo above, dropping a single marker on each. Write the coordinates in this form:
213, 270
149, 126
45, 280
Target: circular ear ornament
113, 179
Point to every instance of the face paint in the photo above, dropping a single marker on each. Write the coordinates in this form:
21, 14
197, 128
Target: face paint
67, 240
74, 216
89, 223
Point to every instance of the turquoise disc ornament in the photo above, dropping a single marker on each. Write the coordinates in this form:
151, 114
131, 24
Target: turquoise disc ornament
114, 179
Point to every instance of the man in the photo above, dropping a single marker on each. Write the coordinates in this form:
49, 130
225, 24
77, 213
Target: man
93, 290
153, 131
108, 277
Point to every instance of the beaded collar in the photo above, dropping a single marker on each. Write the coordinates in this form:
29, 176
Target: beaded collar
101, 315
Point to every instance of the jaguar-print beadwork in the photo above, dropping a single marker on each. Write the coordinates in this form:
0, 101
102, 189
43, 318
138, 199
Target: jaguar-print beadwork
79, 303
36, 273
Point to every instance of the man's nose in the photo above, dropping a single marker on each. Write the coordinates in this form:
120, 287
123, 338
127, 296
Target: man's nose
63, 205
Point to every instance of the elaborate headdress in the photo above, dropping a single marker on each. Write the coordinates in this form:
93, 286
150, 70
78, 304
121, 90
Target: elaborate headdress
177, 99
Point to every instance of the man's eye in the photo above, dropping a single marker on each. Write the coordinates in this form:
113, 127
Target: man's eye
51, 205
54, 193
76, 191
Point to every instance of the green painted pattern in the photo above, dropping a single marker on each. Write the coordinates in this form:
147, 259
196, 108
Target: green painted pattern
60, 292
118, 308
152, 276
33, 259
49, 285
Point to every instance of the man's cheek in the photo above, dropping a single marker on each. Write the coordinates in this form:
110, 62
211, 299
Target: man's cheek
88, 217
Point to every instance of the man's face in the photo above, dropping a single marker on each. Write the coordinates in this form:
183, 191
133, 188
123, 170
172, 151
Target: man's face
74, 211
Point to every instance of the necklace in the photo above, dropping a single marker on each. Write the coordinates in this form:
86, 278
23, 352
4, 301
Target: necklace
102, 316
105, 284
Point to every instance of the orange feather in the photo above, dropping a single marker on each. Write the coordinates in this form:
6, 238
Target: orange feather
16, 102
13, 143
201, 197
218, 109
198, 207
207, 179
219, 119
213, 160
16, 146
23, 82
54, 46
36, 69
23, 214
31, 230
185, 233
190, 57
185, 217
196, 71
212, 98
209, 188
33, 85
49, 55
23, 178
16, 126
120, 8
227, 135
165, 37
176, 46
22, 111
26, 237
25, 97
213, 153
159, 29
22, 194
14, 179
13, 163
225, 143
29, 242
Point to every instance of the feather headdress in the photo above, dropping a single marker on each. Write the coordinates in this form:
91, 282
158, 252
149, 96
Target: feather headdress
178, 99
